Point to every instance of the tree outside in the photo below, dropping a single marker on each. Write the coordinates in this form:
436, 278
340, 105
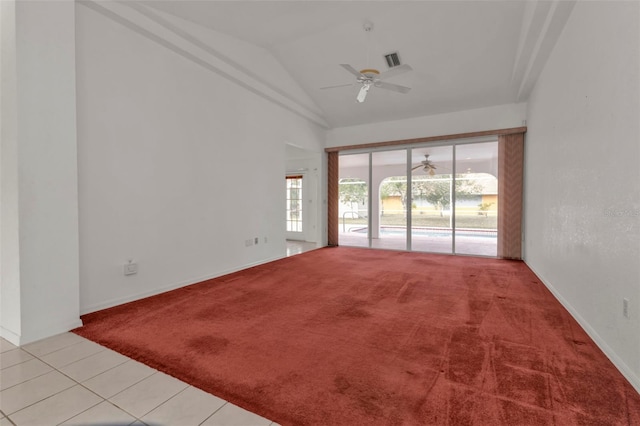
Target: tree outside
395, 186
352, 192
437, 190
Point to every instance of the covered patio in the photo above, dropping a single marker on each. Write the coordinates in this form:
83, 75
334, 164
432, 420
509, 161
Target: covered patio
434, 240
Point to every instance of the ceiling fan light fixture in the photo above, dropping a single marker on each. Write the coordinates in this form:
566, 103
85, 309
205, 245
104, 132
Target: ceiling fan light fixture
362, 95
369, 72
372, 77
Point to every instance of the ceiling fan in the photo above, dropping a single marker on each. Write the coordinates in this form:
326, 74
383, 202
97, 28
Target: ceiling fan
427, 165
370, 77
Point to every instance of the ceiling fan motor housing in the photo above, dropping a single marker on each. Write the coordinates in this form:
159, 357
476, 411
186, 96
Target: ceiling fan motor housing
370, 72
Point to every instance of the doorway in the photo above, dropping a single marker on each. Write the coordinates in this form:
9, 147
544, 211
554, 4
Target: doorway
302, 181
294, 207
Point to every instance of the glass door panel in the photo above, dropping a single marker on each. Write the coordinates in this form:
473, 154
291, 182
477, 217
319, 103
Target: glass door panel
476, 199
353, 196
294, 205
431, 190
389, 199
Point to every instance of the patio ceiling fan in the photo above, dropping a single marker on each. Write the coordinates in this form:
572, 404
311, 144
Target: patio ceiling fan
371, 77
427, 165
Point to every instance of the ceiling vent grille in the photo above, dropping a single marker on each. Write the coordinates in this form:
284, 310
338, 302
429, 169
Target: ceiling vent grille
392, 59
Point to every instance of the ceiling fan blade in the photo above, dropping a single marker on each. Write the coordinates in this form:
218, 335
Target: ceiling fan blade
362, 95
394, 87
351, 69
417, 167
400, 69
334, 87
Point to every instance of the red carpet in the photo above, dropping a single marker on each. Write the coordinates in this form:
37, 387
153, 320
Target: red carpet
344, 336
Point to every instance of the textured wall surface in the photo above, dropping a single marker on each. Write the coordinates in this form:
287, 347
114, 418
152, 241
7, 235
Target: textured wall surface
582, 205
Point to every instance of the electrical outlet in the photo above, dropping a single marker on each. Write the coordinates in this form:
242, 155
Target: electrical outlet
130, 268
256, 240
625, 308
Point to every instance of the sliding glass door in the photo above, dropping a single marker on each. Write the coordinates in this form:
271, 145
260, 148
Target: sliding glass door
353, 194
476, 199
389, 189
431, 218
439, 198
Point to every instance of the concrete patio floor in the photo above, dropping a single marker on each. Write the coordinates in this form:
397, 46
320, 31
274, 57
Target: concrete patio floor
465, 244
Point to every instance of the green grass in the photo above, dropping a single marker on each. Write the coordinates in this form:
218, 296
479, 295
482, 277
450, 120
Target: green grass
478, 222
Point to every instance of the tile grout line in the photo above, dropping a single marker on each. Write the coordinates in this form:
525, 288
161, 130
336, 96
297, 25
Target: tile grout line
66, 347
102, 399
34, 377
77, 414
212, 414
48, 353
10, 349
76, 383
107, 399
40, 400
131, 414
18, 349
10, 421
96, 375
170, 398
129, 387
116, 366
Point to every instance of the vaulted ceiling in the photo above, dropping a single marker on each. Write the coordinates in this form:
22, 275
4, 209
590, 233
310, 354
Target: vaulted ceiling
464, 54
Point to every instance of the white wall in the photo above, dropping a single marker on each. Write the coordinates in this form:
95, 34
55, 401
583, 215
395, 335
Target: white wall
178, 165
473, 120
582, 189
9, 211
244, 57
40, 278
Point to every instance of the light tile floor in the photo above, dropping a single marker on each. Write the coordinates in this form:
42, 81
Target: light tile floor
298, 247
68, 380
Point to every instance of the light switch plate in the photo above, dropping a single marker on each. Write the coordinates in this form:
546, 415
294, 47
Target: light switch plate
130, 268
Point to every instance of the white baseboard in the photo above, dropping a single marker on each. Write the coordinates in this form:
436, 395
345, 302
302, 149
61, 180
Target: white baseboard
10, 336
50, 330
599, 341
121, 300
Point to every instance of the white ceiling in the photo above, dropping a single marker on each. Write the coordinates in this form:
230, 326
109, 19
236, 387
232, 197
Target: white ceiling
465, 54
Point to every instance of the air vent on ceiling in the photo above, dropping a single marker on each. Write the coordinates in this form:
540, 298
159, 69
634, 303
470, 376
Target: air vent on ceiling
392, 59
